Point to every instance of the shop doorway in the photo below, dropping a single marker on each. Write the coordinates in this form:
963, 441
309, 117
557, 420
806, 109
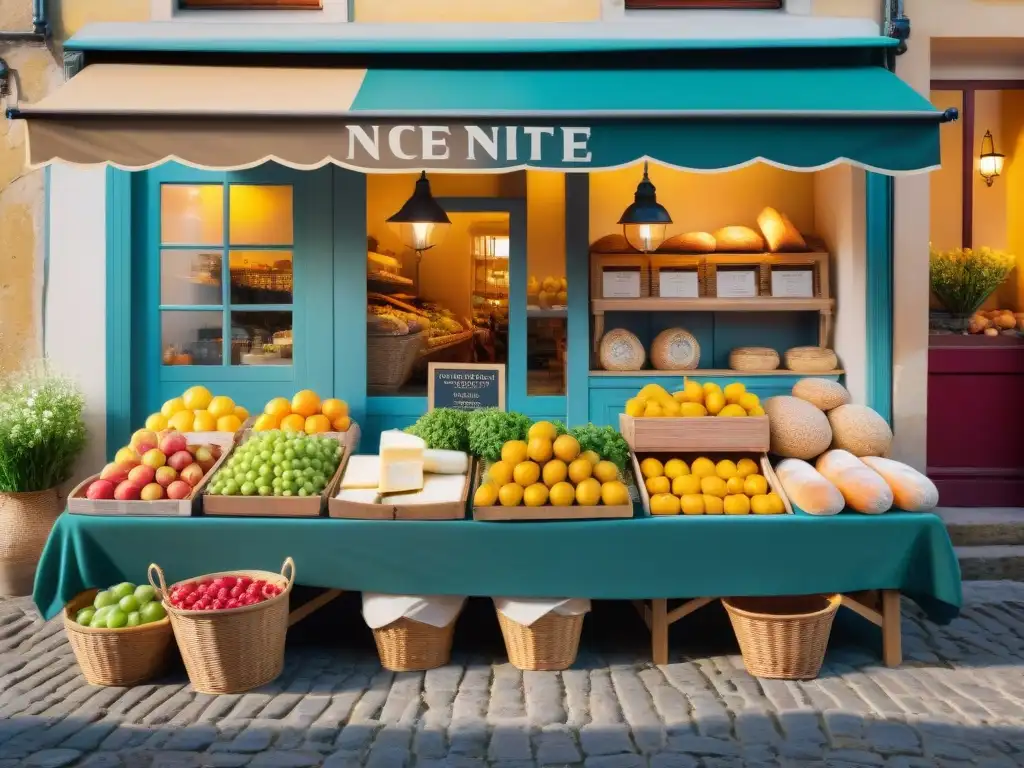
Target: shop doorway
234, 290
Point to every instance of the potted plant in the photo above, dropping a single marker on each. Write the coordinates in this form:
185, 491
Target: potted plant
963, 278
41, 436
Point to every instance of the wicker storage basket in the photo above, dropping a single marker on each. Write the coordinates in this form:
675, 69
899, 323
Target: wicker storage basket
811, 360
412, 646
234, 650
621, 350
125, 656
782, 637
675, 349
550, 643
390, 360
753, 359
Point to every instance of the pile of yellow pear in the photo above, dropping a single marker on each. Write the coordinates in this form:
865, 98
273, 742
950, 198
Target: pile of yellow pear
549, 469
695, 400
198, 410
707, 488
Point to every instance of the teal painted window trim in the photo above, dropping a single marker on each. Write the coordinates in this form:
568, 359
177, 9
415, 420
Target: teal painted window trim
577, 275
880, 292
119, 210
46, 248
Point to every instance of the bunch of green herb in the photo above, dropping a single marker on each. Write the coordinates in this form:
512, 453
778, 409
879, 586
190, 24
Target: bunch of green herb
443, 428
41, 430
489, 429
560, 428
606, 442
963, 278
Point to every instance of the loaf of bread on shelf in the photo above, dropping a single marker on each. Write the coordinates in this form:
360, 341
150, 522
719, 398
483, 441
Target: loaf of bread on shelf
808, 489
738, 240
911, 491
779, 232
614, 243
689, 242
864, 489
621, 350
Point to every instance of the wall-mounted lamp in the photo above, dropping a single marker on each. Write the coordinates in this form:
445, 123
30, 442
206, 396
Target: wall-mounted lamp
645, 220
990, 164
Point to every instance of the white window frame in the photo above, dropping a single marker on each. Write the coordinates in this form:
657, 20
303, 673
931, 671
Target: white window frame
333, 12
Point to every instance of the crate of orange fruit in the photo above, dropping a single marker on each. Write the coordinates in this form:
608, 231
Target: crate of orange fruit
307, 413
202, 416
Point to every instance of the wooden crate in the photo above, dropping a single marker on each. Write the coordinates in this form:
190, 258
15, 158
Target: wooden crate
499, 513
816, 259
688, 457
707, 433
394, 509
599, 262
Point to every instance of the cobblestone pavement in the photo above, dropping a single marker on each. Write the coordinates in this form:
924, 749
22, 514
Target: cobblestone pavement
958, 700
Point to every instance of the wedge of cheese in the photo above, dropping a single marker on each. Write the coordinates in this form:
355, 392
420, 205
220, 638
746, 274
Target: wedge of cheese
441, 462
361, 472
401, 462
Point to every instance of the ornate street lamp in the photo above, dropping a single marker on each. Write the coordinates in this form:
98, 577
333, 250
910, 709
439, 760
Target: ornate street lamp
990, 164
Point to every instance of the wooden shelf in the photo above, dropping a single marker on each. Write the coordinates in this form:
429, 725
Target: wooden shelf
760, 304
699, 373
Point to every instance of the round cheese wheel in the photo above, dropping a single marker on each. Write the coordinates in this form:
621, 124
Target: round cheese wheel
675, 350
621, 351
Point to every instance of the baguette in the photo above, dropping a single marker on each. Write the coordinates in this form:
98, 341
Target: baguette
689, 242
864, 489
911, 491
779, 232
738, 240
808, 489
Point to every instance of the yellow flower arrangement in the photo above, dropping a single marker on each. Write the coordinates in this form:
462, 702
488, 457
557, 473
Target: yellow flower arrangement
964, 277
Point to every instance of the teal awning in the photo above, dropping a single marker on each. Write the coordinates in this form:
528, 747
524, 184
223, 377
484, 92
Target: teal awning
136, 115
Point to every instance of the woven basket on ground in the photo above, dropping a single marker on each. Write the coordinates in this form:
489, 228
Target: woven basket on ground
390, 360
25, 520
811, 360
753, 359
234, 650
782, 637
126, 656
412, 646
550, 643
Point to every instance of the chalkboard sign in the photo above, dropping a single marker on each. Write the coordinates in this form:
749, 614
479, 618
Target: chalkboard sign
465, 386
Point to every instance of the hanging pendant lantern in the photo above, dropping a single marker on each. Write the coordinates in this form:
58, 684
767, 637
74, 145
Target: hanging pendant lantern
990, 164
421, 223
645, 221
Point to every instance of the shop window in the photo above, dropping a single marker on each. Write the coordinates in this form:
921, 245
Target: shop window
703, 4
245, 320
546, 287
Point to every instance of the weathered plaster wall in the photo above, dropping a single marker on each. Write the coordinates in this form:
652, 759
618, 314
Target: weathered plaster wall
476, 11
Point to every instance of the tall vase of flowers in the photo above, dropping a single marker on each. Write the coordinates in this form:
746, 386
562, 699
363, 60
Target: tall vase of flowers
41, 435
963, 278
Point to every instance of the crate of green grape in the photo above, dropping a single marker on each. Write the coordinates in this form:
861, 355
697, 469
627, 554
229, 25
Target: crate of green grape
278, 474
120, 635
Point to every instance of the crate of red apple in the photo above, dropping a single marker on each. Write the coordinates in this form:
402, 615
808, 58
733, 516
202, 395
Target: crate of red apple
157, 473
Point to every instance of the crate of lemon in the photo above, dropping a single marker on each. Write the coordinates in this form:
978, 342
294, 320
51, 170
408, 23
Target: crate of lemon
709, 484
548, 477
697, 418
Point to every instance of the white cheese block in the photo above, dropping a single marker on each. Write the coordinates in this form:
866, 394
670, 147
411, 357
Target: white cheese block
440, 462
361, 472
401, 462
359, 495
437, 489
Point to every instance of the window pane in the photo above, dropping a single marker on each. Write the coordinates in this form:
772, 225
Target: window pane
191, 338
191, 214
545, 354
261, 338
260, 215
190, 277
261, 277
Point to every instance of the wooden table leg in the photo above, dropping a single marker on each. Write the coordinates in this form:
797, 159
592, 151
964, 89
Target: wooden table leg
659, 631
892, 645
312, 606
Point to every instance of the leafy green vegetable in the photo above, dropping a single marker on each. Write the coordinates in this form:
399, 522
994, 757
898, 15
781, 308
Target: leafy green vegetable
444, 429
605, 441
560, 428
490, 428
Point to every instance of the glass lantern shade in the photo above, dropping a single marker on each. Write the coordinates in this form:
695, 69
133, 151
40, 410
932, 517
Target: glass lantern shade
419, 235
645, 237
645, 222
990, 164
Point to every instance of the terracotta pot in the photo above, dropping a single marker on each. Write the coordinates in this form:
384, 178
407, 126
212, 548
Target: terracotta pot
25, 523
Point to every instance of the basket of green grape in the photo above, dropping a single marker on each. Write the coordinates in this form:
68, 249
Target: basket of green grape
120, 636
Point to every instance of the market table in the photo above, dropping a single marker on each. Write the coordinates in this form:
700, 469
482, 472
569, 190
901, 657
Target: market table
642, 559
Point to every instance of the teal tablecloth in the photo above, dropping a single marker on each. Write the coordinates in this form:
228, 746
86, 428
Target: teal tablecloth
644, 557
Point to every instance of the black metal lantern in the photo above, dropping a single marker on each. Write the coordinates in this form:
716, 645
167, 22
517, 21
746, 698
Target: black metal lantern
990, 164
421, 223
645, 221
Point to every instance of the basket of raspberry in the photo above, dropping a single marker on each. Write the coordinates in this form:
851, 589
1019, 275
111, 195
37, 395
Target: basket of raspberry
230, 627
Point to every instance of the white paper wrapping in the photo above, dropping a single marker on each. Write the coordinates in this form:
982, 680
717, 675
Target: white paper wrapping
527, 610
436, 610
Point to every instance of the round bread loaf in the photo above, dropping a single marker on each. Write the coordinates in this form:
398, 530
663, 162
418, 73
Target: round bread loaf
753, 359
811, 359
798, 429
621, 351
689, 242
823, 394
859, 430
614, 243
675, 350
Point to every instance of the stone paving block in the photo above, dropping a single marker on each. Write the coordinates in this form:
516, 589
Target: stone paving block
605, 739
615, 761
52, 758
